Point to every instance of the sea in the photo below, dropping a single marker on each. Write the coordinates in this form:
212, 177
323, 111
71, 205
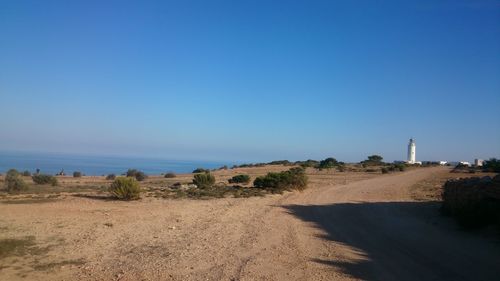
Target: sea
92, 165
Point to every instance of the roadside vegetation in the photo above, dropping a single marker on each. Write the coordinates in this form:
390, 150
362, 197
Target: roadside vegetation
492, 165
294, 178
244, 179
169, 175
14, 182
44, 179
204, 180
125, 188
138, 175
202, 184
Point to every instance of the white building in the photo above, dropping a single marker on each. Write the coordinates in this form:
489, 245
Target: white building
412, 150
478, 162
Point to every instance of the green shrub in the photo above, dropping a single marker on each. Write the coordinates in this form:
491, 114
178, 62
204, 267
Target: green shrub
240, 179
384, 170
170, 175
27, 173
14, 182
138, 175
44, 179
308, 163
400, 167
204, 180
111, 177
280, 162
492, 165
125, 188
373, 160
77, 174
294, 178
200, 170
328, 163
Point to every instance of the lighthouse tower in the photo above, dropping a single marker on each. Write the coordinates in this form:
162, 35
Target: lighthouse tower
411, 151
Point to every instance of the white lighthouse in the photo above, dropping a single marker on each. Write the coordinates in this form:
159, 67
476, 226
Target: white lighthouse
412, 147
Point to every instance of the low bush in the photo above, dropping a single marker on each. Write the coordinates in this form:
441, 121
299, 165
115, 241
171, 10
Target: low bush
14, 181
44, 179
280, 162
328, 163
400, 167
201, 170
294, 178
111, 177
308, 163
125, 188
492, 165
170, 175
138, 175
77, 174
373, 160
385, 170
204, 180
27, 173
240, 179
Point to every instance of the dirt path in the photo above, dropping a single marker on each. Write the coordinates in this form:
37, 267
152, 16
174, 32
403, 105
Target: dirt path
369, 230
373, 230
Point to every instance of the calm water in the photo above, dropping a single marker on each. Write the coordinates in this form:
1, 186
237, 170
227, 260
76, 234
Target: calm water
96, 165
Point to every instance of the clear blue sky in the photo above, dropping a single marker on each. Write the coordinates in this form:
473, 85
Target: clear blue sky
251, 80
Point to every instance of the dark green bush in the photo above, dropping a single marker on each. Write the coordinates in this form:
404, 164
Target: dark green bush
492, 165
125, 188
77, 174
27, 173
44, 179
240, 179
204, 180
170, 175
400, 167
200, 170
111, 177
280, 162
308, 163
294, 178
373, 160
138, 175
328, 163
14, 181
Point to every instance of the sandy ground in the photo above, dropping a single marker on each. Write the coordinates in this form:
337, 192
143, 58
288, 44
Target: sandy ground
346, 226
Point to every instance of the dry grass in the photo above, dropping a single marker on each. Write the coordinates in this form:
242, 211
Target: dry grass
430, 189
160, 187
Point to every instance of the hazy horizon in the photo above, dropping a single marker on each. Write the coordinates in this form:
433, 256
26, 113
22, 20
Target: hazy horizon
251, 81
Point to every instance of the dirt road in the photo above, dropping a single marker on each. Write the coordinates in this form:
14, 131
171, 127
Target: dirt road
373, 230
370, 229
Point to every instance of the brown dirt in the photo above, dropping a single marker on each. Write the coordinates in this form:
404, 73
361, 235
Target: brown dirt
346, 226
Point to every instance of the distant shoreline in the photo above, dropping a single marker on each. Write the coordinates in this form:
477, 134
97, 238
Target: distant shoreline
92, 165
